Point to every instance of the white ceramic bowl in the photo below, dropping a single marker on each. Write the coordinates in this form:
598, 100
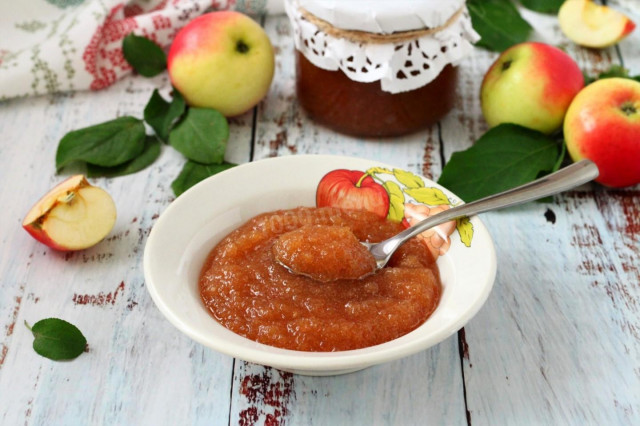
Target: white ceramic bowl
192, 225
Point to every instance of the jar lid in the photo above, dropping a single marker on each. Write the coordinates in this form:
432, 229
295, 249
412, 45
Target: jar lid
383, 16
400, 61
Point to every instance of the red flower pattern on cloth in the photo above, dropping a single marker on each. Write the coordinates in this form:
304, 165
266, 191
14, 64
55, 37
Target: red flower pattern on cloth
78, 45
103, 55
105, 62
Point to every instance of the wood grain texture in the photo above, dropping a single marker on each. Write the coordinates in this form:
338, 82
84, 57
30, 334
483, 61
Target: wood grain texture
558, 341
427, 385
137, 365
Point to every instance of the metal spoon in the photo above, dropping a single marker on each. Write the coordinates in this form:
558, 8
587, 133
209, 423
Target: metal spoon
562, 180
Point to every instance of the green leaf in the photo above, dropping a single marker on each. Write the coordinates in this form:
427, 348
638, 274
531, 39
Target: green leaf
107, 144
613, 71
396, 201
161, 115
193, 173
408, 179
57, 339
560, 159
506, 156
587, 78
201, 136
145, 56
499, 24
543, 6
149, 154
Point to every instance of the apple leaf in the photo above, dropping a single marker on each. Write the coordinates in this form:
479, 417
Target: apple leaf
499, 24
613, 71
193, 173
543, 6
149, 154
506, 156
161, 115
396, 201
377, 170
145, 56
201, 136
408, 179
57, 339
106, 144
428, 196
465, 229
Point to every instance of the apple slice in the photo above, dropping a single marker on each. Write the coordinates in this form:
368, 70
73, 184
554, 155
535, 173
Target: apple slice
74, 215
591, 25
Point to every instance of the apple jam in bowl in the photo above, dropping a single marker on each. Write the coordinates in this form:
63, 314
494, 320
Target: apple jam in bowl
432, 300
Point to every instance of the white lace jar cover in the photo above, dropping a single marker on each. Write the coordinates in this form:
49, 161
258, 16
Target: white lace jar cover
384, 47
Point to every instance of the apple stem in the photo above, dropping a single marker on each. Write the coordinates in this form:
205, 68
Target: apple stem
68, 197
362, 178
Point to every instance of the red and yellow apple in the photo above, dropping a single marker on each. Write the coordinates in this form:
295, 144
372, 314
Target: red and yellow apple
592, 25
222, 60
603, 125
530, 84
74, 215
352, 189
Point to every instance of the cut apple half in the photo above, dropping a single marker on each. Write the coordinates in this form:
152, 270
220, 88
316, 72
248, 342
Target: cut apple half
592, 25
74, 215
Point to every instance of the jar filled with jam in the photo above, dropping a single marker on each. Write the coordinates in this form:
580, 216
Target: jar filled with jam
378, 68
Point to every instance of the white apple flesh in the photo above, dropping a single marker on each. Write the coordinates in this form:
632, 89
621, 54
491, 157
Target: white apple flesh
74, 215
592, 25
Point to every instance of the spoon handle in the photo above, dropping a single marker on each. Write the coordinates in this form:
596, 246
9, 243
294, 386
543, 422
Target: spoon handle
562, 180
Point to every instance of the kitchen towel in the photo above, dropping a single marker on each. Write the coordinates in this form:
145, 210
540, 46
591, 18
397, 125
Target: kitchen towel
49, 46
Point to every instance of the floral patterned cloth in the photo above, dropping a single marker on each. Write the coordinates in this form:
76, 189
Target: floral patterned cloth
49, 46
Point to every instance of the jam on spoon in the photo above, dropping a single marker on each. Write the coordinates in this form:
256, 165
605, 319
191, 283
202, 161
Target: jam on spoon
324, 253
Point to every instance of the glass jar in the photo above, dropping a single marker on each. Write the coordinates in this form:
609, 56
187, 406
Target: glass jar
365, 78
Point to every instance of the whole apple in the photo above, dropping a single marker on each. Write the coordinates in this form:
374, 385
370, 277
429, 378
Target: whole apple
603, 125
352, 189
530, 84
222, 60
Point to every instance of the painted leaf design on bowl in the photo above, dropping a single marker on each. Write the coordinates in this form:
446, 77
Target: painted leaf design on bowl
398, 195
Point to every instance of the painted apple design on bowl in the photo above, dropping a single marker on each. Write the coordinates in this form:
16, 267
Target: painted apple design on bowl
397, 195
200, 218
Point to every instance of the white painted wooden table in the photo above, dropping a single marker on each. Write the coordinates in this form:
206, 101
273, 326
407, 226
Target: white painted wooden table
558, 341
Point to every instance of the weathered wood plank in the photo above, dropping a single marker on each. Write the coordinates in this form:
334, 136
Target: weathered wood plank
424, 386
137, 365
556, 341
